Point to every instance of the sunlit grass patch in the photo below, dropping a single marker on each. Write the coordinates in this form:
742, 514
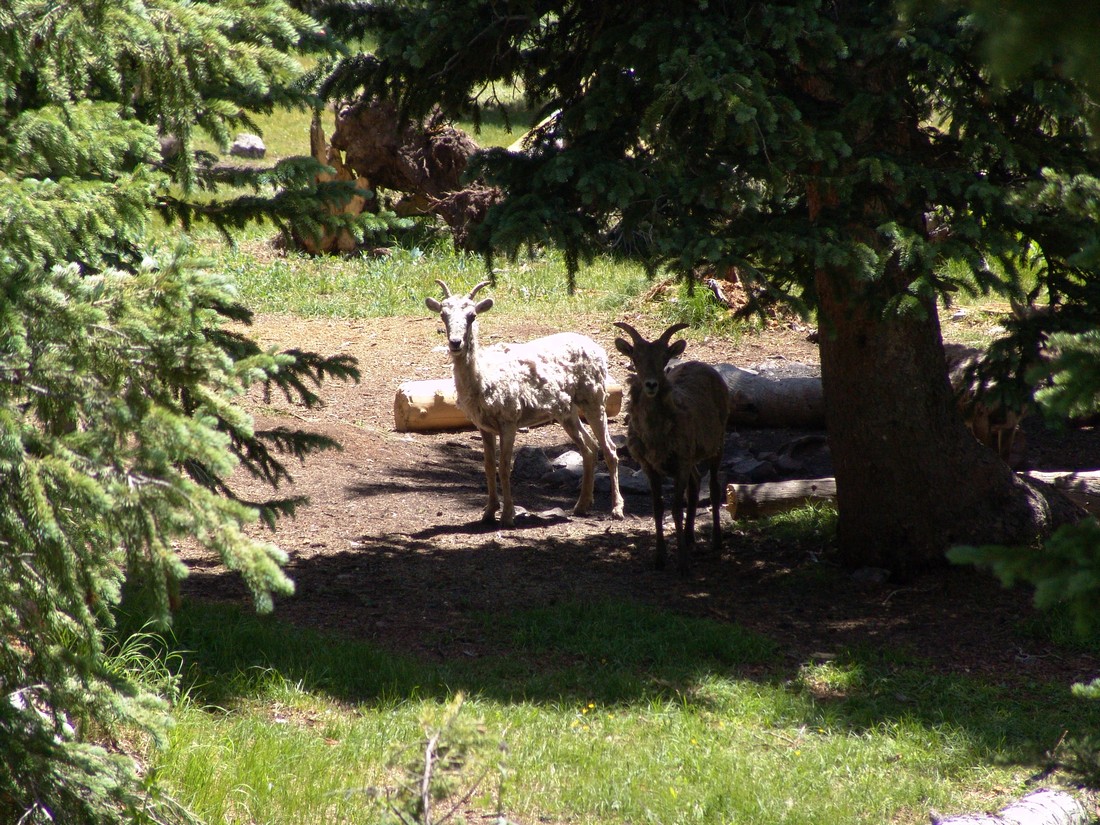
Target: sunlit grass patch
396, 283
637, 715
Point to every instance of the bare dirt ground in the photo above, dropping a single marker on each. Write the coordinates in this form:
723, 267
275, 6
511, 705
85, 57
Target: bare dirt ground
391, 549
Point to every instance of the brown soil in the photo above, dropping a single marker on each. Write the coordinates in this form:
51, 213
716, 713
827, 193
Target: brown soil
391, 549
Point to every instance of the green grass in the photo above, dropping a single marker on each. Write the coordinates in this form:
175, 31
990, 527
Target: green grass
396, 284
592, 713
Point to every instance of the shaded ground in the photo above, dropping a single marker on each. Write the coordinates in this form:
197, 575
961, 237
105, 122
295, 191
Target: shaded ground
390, 549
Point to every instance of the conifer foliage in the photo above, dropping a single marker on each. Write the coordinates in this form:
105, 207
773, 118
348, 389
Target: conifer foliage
120, 374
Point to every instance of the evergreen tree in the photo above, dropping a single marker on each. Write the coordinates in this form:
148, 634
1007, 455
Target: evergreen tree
119, 372
1018, 35
1066, 575
846, 157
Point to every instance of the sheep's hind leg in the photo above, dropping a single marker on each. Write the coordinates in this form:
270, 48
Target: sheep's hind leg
597, 417
715, 499
588, 449
658, 517
489, 440
685, 532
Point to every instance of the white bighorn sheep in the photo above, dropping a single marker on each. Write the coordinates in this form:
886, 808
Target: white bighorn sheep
508, 386
677, 420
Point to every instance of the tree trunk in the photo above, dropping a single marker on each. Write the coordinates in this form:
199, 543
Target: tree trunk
911, 479
1041, 807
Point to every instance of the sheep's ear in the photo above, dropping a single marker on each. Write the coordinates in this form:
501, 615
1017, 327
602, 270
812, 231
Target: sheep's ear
483, 306
677, 348
624, 347
433, 304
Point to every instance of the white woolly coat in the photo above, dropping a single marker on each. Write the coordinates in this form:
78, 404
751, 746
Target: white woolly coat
524, 383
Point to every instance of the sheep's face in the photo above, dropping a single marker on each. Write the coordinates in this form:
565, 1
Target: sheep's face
650, 362
650, 358
459, 316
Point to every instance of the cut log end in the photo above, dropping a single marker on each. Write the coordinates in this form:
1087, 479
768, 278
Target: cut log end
427, 405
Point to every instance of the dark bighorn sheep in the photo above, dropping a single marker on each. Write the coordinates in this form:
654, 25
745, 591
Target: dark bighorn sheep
508, 386
677, 420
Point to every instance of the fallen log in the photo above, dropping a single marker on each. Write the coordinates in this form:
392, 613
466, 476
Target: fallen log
769, 498
797, 402
1082, 488
1042, 807
759, 500
756, 401
433, 405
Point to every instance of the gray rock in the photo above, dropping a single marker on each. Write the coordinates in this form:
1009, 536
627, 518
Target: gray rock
570, 460
248, 146
530, 462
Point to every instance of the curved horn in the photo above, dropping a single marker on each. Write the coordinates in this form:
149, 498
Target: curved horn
634, 334
477, 288
666, 336
444, 287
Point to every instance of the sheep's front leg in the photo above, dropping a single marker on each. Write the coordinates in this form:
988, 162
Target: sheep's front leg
658, 517
507, 443
489, 440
